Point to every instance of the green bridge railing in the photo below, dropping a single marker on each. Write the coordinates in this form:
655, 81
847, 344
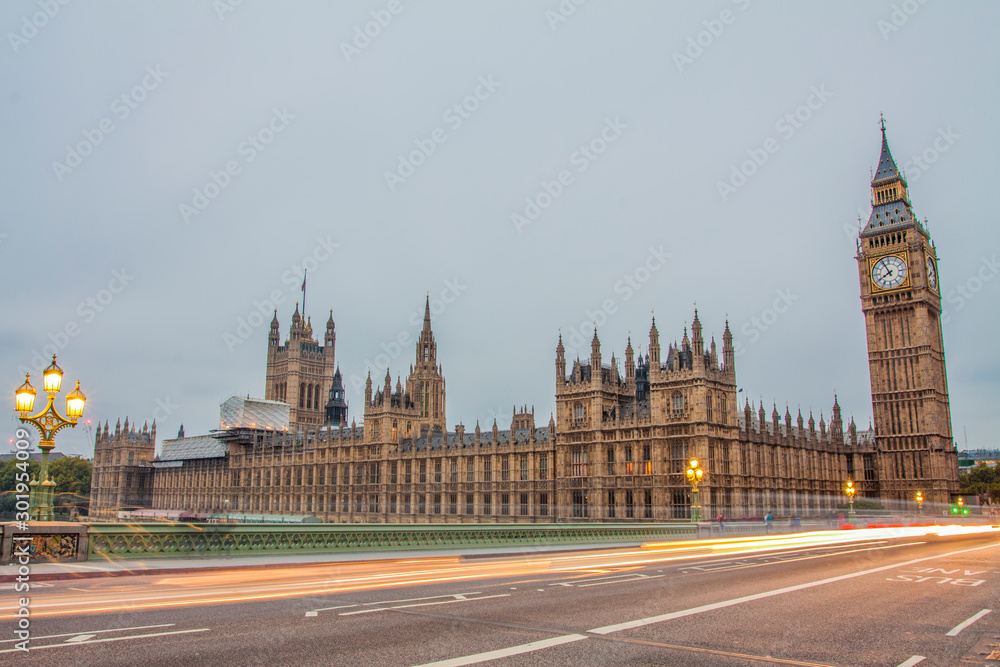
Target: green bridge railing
158, 540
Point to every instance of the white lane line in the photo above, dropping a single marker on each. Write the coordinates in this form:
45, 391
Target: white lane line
110, 639
96, 632
621, 581
912, 661
966, 623
312, 613
79, 638
369, 604
505, 652
420, 604
617, 627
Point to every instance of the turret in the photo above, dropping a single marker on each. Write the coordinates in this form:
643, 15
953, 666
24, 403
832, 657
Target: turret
296, 328
560, 363
629, 365
331, 335
654, 348
728, 354
274, 337
595, 357
836, 422
697, 343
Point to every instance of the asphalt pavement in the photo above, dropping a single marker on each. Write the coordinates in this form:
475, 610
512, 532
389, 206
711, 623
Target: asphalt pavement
870, 602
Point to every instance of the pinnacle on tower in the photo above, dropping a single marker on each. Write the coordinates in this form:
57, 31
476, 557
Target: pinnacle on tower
890, 200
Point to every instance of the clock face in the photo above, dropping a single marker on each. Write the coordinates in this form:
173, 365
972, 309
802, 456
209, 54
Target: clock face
889, 272
931, 274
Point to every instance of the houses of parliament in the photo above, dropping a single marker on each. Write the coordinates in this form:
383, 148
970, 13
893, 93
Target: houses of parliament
614, 450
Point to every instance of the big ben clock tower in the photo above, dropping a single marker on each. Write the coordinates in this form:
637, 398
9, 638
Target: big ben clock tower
901, 300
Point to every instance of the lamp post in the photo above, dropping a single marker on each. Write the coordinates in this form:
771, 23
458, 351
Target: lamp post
48, 422
920, 503
850, 491
694, 474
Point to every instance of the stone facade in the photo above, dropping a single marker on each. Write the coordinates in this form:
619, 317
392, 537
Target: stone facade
122, 472
300, 372
617, 446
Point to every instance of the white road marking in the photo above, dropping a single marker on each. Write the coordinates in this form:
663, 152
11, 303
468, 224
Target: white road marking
505, 652
312, 613
611, 579
622, 581
421, 604
79, 638
912, 661
383, 602
966, 623
628, 625
95, 632
744, 563
110, 639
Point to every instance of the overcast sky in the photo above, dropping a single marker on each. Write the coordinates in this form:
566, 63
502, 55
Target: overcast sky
170, 167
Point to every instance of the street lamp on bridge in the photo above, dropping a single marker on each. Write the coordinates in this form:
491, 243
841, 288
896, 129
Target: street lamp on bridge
694, 474
850, 491
920, 502
48, 422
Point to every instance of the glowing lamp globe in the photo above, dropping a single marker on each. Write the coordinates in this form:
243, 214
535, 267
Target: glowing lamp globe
75, 402
52, 377
24, 397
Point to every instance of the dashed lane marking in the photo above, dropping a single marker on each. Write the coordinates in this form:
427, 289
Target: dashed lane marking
422, 604
96, 632
110, 639
966, 623
505, 652
628, 625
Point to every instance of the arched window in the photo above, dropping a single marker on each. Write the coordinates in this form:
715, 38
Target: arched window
579, 412
131, 458
395, 429
723, 410
708, 407
309, 396
317, 402
302, 394
678, 406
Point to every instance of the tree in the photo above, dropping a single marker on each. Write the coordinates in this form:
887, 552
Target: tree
8, 481
983, 480
72, 477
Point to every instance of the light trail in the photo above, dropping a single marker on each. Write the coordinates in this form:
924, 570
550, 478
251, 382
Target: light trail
314, 580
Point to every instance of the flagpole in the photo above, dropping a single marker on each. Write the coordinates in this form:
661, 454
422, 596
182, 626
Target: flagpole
304, 273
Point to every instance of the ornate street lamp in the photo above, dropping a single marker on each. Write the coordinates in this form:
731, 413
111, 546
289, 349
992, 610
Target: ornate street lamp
694, 474
920, 502
48, 422
850, 491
